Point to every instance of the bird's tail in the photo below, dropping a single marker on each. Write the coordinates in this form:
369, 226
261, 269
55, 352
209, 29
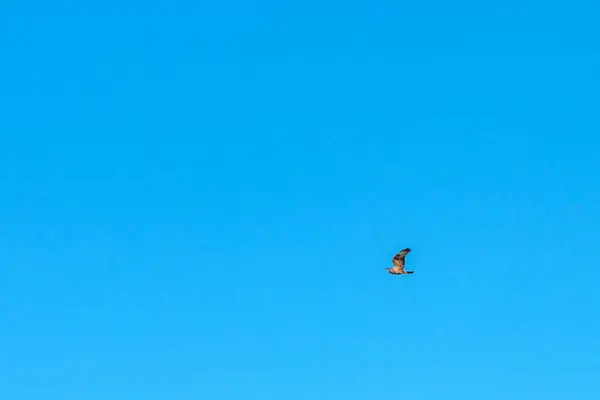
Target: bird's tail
410, 272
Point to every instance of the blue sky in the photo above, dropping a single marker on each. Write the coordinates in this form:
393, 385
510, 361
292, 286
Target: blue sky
198, 200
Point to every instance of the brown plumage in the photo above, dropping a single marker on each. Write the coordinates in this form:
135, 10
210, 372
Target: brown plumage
398, 263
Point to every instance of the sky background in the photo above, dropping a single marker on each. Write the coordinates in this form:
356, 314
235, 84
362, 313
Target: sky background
198, 200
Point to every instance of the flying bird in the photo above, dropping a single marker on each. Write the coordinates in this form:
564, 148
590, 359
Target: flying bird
398, 263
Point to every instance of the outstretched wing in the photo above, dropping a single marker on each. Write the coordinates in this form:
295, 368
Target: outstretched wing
398, 259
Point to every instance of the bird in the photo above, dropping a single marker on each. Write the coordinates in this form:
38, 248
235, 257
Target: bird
398, 263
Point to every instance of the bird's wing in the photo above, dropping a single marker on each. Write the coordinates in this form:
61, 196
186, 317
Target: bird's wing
398, 259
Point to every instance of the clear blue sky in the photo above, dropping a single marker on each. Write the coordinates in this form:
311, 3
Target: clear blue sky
198, 201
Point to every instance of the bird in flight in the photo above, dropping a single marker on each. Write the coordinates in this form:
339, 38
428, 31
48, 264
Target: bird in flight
398, 263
